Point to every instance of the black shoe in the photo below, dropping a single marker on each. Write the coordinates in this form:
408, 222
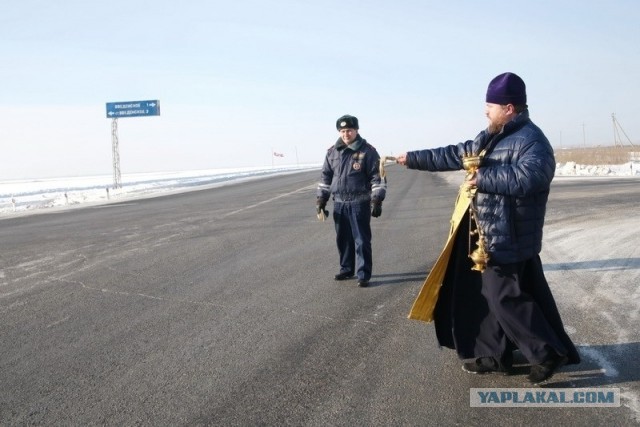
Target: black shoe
363, 283
546, 369
484, 365
344, 275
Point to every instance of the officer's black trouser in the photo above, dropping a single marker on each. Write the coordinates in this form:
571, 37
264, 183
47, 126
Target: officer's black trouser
353, 237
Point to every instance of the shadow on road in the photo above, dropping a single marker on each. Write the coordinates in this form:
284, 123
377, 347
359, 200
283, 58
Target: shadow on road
393, 279
601, 265
603, 365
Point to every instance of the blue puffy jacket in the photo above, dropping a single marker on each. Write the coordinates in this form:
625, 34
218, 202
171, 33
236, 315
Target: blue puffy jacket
352, 175
513, 185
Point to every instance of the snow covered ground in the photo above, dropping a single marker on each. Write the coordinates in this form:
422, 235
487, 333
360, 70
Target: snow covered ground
30, 196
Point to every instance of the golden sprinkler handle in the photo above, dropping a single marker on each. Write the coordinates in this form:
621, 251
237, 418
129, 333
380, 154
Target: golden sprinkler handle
479, 256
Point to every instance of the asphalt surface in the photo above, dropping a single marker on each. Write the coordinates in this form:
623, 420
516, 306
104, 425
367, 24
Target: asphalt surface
218, 307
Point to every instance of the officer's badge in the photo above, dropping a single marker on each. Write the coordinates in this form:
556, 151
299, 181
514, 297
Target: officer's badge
356, 166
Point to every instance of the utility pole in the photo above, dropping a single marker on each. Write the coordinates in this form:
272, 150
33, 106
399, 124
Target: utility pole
617, 141
561, 140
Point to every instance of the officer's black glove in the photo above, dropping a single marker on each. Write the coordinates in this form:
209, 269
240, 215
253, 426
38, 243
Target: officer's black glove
321, 204
376, 208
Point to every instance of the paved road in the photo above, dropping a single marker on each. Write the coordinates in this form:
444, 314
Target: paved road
218, 307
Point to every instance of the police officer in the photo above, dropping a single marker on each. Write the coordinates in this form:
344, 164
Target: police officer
351, 175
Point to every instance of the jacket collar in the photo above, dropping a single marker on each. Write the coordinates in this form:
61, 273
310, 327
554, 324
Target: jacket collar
517, 122
486, 141
354, 146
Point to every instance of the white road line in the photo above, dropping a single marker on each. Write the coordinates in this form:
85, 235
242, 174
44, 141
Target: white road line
269, 200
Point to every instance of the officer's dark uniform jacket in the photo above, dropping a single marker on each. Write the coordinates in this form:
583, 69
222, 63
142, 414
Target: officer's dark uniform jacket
351, 173
513, 185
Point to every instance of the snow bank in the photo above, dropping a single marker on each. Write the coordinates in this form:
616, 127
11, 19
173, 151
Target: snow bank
24, 196
573, 169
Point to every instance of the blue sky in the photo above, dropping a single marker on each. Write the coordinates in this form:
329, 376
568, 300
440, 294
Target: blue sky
239, 79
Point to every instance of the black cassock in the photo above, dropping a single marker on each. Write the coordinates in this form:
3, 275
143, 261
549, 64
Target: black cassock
515, 309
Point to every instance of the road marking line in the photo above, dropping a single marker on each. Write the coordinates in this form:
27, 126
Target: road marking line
269, 200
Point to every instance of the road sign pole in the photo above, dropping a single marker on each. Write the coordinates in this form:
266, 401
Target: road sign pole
117, 182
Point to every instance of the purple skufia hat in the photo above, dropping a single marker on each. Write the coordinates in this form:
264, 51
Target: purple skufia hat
507, 88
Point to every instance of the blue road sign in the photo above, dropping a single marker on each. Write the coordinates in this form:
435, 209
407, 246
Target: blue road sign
116, 110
